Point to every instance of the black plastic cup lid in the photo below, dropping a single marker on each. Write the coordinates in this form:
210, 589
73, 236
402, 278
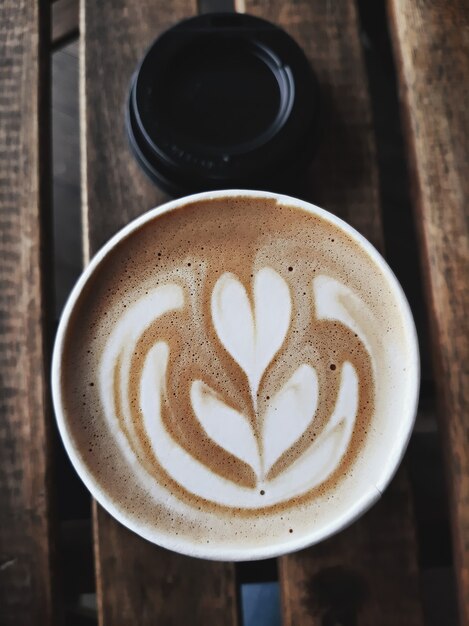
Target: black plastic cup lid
223, 101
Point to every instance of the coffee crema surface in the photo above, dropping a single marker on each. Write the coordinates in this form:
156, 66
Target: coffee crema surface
231, 373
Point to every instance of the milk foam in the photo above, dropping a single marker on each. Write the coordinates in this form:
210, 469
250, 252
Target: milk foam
231, 371
251, 330
252, 334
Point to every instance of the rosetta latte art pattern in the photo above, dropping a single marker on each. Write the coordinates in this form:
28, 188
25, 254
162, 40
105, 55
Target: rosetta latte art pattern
251, 326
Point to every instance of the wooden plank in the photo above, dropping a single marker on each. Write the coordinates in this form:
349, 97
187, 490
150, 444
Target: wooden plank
26, 582
431, 45
64, 21
368, 574
158, 586
137, 583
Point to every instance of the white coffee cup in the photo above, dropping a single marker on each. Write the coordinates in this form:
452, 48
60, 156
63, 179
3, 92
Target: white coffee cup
373, 471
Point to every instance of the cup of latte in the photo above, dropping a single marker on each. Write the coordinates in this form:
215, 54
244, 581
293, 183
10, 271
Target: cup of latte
236, 375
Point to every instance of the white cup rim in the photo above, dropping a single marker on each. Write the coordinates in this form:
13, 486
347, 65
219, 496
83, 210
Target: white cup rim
291, 544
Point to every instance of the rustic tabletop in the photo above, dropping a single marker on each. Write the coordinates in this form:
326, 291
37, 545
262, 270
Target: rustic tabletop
370, 574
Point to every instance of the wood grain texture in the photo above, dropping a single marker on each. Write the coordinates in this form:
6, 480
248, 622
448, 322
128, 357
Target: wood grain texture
138, 583
368, 574
26, 584
113, 38
365, 575
431, 45
344, 177
156, 586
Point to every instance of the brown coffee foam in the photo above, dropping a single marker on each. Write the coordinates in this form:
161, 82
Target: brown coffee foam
178, 415
239, 236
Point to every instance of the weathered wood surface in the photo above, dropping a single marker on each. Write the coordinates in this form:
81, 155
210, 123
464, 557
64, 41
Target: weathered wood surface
26, 572
157, 586
368, 574
137, 583
344, 178
431, 46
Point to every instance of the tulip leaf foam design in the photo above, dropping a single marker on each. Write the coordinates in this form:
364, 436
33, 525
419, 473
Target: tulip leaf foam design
251, 327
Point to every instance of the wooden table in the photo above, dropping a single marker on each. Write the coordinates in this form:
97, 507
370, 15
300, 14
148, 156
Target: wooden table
368, 574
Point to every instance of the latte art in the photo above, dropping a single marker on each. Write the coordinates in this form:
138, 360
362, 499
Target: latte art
233, 377
251, 328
